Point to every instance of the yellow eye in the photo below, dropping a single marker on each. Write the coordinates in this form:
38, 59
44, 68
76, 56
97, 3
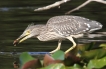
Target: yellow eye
28, 31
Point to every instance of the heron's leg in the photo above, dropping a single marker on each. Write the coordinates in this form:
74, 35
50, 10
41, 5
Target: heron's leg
58, 47
74, 44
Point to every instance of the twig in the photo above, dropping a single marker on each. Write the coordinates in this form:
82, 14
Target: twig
77, 8
64, 1
85, 3
52, 5
100, 1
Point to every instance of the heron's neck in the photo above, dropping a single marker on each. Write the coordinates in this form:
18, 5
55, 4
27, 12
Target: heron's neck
41, 29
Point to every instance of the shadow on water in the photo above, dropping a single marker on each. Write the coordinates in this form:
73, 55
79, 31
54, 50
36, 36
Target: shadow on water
16, 15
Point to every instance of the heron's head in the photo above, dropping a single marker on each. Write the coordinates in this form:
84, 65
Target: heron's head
31, 31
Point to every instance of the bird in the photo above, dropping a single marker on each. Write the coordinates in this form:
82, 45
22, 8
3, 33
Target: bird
60, 28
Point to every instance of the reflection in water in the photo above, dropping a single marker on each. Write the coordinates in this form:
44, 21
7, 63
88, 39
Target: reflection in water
18, 53
16, 64
14, 8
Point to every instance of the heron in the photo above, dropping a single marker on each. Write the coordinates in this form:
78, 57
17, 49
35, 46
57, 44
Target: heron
60, 28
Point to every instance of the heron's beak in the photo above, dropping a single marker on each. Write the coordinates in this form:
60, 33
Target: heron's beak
22, 38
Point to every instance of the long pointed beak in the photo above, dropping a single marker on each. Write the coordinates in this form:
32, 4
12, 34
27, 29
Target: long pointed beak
22, 38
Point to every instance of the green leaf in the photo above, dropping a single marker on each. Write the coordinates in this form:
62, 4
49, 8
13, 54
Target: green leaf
54, 66
28, 61
75, 66
97, 63
58, 55
25, 57
103, 45
61, 66
96, 53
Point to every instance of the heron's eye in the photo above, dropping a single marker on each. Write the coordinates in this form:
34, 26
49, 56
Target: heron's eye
28, 31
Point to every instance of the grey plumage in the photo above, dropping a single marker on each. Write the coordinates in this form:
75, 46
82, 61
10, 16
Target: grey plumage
70, 25
62, 27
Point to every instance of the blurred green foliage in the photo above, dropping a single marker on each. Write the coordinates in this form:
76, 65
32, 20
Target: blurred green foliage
82, 59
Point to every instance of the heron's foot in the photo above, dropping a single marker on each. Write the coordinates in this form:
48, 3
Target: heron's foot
54, 51
70, 49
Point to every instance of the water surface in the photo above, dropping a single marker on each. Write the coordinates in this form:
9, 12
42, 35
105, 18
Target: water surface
15, 15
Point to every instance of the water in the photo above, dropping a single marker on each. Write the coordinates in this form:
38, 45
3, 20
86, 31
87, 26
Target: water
16, 15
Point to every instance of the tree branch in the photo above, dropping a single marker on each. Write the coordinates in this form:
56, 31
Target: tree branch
77, 8
100, 1
52, 5
85, 3
64, 1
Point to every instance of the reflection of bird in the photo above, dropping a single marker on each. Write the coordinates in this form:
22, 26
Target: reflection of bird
59, 28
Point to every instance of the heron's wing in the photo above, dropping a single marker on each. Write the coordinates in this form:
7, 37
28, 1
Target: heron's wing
67, 25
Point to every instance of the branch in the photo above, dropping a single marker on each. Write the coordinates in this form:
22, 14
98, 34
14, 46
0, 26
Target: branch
64, 1
77, 8
52, 5
100, 1
85, 3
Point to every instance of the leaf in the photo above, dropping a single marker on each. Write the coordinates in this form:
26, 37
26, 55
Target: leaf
96, 53
28, 61
33, 64
54, 66
47, 60
103, 45
82, 48
75, 66
61, 66
58, 55
97, 63
25, 57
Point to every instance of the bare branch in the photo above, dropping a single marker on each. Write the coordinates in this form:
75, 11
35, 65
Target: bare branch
64, 1
85, 3
100, 1
52, 5
77, 8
